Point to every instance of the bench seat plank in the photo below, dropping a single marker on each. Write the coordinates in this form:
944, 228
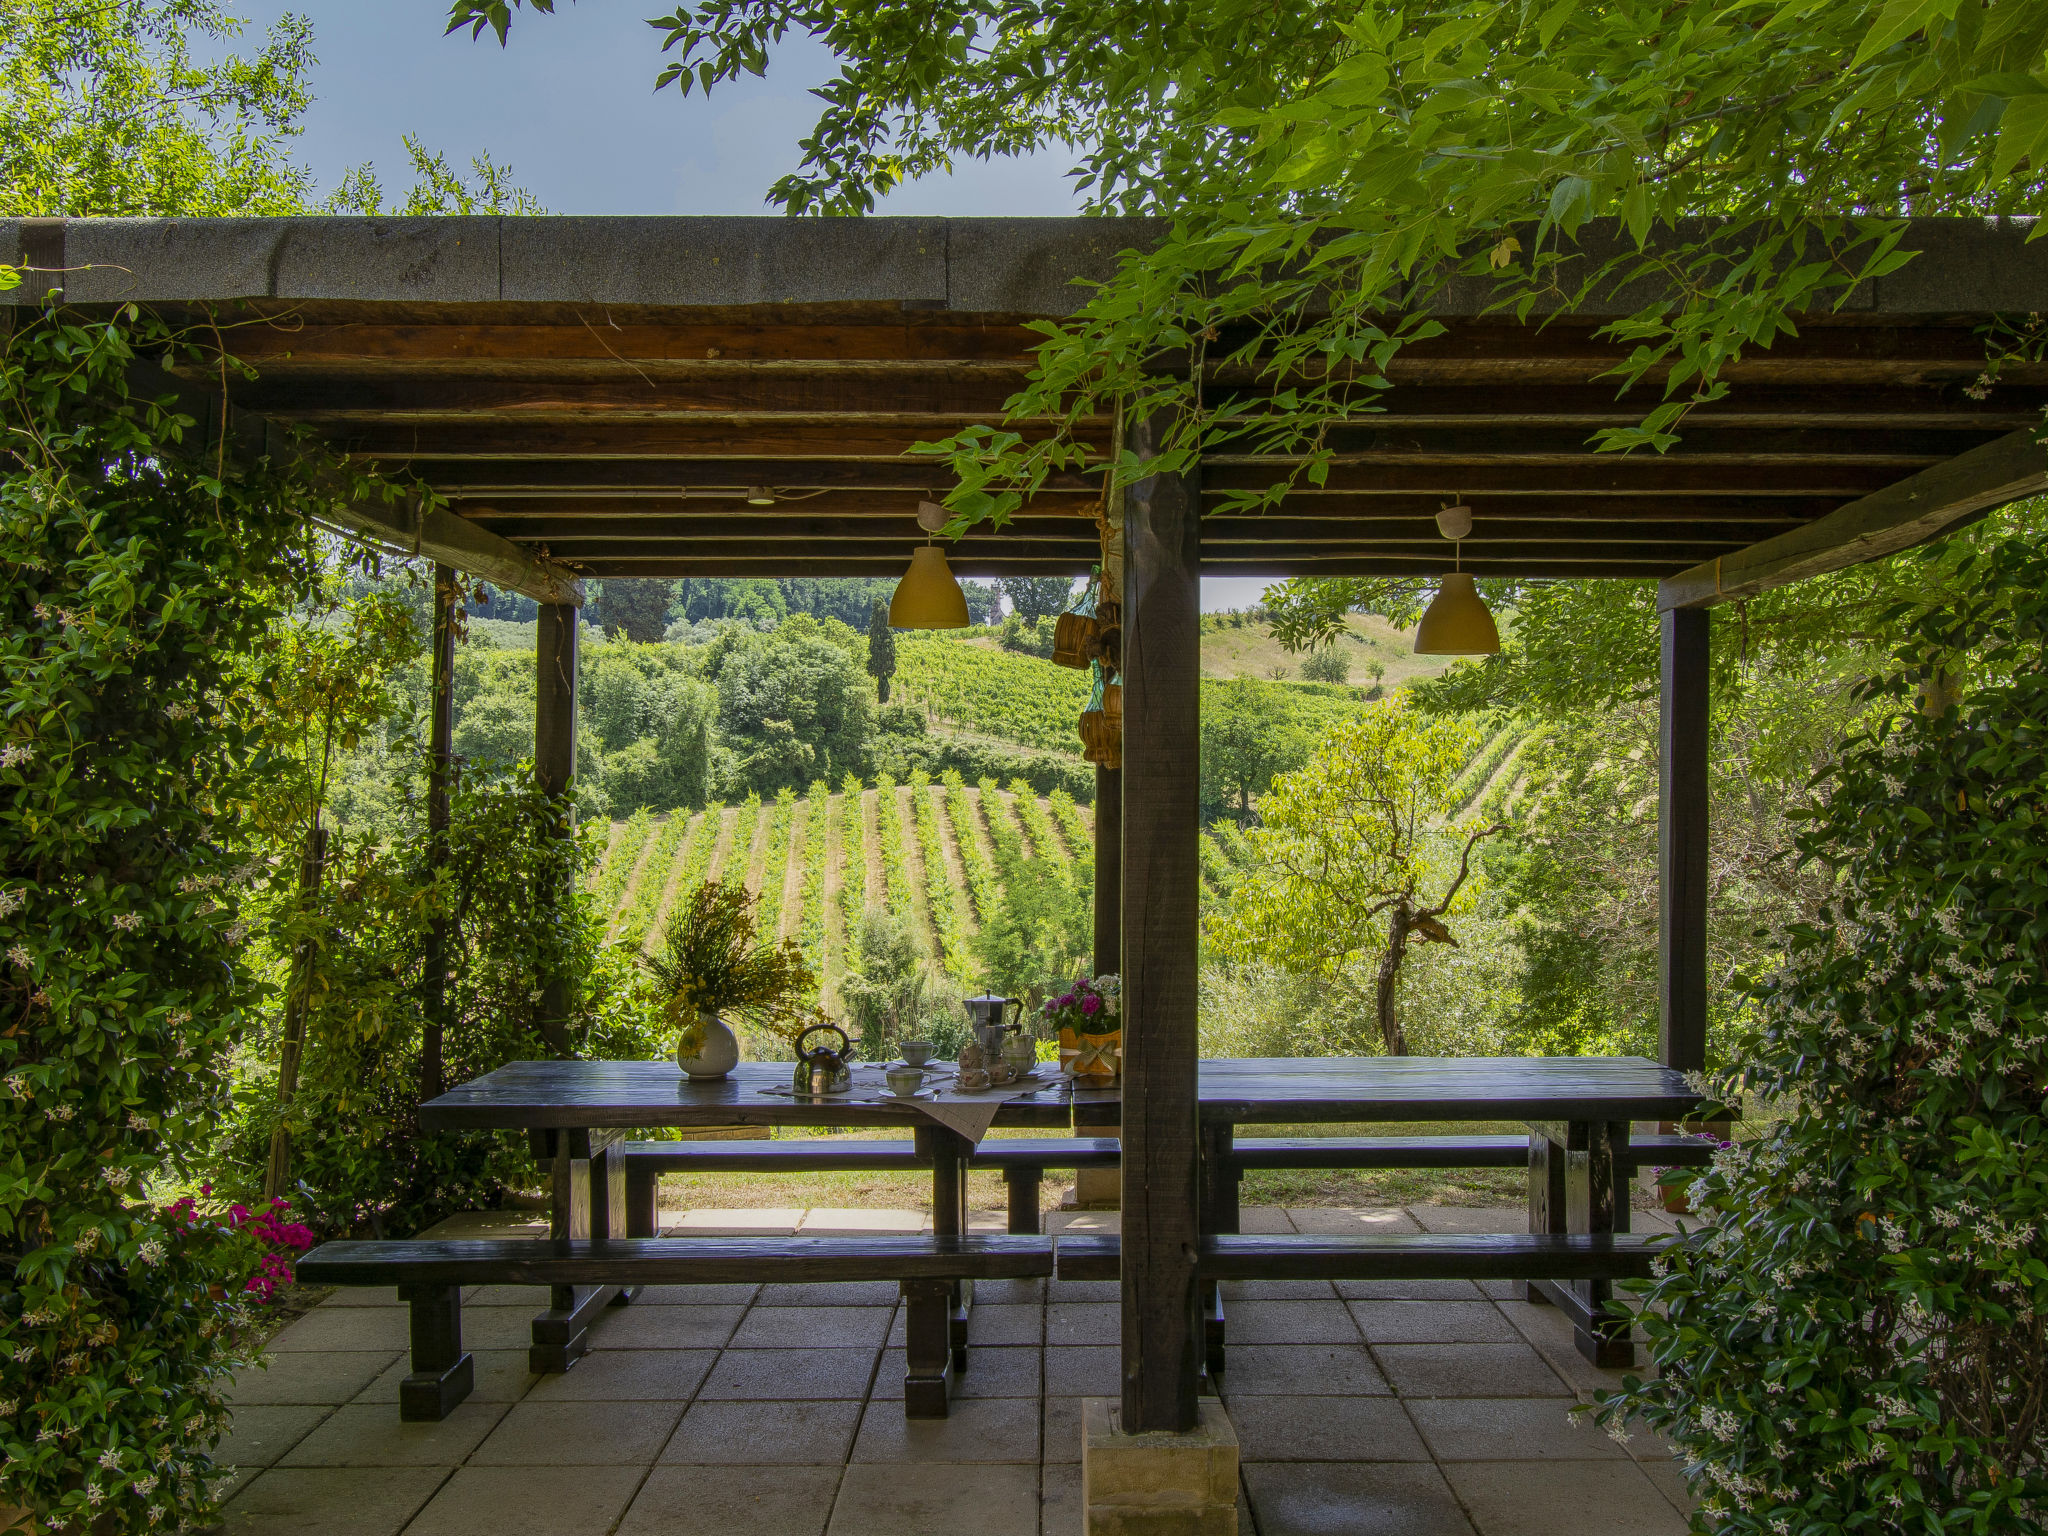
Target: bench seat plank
1389, 1256
677, 1260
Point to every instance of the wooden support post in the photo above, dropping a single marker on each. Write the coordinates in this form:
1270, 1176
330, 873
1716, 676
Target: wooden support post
1109, 869
1682, 840
1162, 1329
554, 765
440, 766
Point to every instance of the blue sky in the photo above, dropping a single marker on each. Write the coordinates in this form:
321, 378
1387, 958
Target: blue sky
570, 106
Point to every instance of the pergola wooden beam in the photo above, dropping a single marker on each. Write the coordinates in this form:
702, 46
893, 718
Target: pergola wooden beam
410, 527
1897, 517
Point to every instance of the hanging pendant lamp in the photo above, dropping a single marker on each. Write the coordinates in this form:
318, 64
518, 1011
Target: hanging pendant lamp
1457, 622
928, 597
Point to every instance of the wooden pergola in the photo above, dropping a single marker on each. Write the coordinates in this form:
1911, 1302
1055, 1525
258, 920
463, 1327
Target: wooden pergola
672, 397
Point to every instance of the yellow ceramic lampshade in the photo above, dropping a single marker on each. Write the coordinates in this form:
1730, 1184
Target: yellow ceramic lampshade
928, 597
1456, 622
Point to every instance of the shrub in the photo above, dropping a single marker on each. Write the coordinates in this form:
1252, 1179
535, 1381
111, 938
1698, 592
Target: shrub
135, 582
1859, 1341
1326, 664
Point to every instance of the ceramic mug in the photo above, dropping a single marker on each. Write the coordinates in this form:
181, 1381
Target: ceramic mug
904, 1081
916, 1052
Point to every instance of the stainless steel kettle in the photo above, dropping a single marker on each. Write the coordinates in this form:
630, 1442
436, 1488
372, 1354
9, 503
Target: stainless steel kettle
823, 1070
985, 1018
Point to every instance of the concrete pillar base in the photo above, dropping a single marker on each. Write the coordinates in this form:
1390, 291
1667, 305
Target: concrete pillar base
1095, 1189
1158, 1484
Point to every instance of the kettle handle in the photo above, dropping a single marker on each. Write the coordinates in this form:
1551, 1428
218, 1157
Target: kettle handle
1018, 1004
845, 1041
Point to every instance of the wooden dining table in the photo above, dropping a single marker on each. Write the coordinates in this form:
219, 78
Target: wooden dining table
1578, 1112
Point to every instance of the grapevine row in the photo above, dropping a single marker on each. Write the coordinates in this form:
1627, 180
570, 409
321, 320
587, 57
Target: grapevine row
949, 922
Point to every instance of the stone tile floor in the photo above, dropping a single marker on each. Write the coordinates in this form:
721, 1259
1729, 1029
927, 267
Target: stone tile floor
1420, 1409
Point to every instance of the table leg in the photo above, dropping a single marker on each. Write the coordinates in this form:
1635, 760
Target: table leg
589, 1194
1220, 1213
1595, 1201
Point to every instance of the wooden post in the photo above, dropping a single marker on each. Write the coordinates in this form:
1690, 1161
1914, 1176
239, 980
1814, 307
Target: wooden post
1109, 868
1161, 881
440, 764
554, 765
1682, 840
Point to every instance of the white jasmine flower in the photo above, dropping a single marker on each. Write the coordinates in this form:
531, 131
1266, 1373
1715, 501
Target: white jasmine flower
128, 922
61, 1111
111, 1460
20, 956
151, 1251
117, 1177
10, 902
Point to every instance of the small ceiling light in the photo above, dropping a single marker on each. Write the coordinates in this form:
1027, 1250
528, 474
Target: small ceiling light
1456, 623
928, 597
760, 496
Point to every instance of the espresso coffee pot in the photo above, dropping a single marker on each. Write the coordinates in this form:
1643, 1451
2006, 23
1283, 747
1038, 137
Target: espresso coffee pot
985, 1018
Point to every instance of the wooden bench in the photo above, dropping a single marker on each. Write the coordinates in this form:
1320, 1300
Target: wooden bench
1022, 1160
1442, 1152
430, 1277
1388, 1256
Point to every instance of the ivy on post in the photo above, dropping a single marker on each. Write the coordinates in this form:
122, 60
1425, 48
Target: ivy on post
440, 765
554, 766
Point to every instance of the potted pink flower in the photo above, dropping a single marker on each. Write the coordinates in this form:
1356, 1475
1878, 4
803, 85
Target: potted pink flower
1088, 1019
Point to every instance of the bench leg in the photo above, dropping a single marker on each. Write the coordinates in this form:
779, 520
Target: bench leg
1221, 1181
927, 1348
948, 1153
1022, 1184
442, 1373
1212, 1329
1546, 1200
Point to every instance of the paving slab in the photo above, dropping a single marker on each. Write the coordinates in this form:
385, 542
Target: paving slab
755, 1434
697, 1295
1004, 1323
790, 1375
1061, 1442
1583, 1498
1276, 1290
628, 1375
1341, 1220
732, 1501
1265, 1221
1325, 1370
1089, 1370
813, 1328
326, 1376
1415, 1290
1510, 1429
501, 1375
1061, 1512
1277, 1428
827, 1219
1670, 1481
261, 1434
353, 1329
991, 1372
508, 1327
1468, 1370
993, 1429
936, 1499
1471, 1218
373, 1435
761, 1220
1084, 1322
665, 1327
1289, 1322
840, 1293
330, 1501
535, 1434
490, 1501
1433, 1322
1354, 1499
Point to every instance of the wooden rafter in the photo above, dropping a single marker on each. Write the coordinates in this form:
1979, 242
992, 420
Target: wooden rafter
1899, 516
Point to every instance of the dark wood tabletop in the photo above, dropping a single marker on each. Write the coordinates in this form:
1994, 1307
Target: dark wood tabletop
556, 1095
596, 1094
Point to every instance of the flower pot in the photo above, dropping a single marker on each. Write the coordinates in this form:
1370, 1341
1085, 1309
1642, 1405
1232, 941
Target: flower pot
718, 1051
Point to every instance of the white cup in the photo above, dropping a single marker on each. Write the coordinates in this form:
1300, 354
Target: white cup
904, 1081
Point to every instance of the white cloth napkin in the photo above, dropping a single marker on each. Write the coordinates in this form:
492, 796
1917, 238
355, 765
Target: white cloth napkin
965, 1114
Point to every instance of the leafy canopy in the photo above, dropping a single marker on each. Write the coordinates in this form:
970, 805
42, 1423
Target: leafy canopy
1330, 171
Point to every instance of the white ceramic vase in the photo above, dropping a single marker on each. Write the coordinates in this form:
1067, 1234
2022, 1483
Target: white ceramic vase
717, 1054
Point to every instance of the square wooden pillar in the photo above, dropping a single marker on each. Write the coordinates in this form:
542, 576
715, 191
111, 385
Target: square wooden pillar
554, 766
1682, 840
1161, 871
1109, 869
